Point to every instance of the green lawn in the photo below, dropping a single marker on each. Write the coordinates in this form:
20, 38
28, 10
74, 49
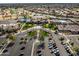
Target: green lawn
32, 33
26, 25
50, 26
43, 33
11, 37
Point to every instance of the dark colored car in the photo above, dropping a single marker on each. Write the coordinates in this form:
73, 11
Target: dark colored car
5, 51
50, 38
1, 47
21, 43
41, 46
39, 51
10, 44
22, 48
57, 54
21, 54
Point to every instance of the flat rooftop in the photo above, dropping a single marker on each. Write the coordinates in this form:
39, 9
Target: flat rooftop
68, 27
61, 21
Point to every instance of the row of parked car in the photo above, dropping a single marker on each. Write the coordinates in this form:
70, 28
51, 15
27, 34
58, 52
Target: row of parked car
53, 48
66, 46
22, 43
3, 45
21, 49
5, 51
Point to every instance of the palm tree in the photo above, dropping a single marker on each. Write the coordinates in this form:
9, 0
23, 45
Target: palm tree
54, 13
17, 13
2, 12
11, 11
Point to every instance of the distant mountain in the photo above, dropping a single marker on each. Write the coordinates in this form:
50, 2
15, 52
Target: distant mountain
66, 5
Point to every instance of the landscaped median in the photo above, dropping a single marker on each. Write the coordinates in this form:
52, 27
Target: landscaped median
76, 50
11, 37
32, 33
50, 26
26, 25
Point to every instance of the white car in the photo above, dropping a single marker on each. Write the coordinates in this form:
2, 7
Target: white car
55, 50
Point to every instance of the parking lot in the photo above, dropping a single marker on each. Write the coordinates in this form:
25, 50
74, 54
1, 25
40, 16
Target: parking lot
53, 47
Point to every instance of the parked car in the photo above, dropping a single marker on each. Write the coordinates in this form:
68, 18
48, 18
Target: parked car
1, 46
41, 46
57, 54
39, 53
21, 54
10, 44
22, 48
5, 51
55, 50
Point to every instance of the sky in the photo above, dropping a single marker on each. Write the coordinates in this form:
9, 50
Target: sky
39, 1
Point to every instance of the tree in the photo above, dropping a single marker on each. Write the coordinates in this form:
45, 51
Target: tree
2, 12
61, 39
22, 38
78, 38
32, 33
17, 13
11, 37
72, 43
12, 12
76, 49
41, 38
